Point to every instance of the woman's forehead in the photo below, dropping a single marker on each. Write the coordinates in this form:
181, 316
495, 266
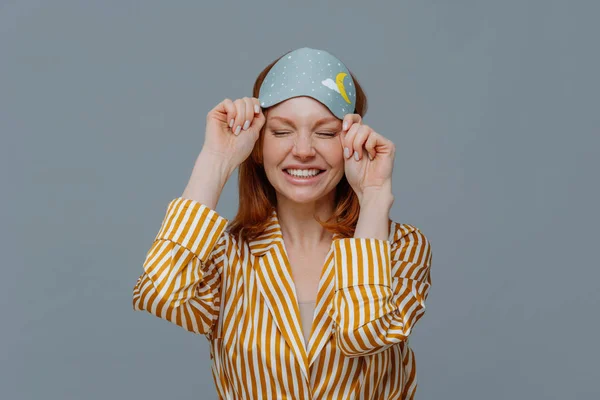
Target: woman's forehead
300, 110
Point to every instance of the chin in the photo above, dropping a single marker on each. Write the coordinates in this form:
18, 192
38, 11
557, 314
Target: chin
301, 198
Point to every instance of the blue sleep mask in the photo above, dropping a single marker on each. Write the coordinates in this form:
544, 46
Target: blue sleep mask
310, 72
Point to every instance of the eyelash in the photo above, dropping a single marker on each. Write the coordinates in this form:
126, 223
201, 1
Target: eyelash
327, 134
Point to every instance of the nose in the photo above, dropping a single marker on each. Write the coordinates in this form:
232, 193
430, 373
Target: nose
303, 147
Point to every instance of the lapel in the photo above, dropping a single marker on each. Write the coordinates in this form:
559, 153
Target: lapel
274, 279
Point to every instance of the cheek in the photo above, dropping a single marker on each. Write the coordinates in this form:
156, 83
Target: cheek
334, 155
274, 151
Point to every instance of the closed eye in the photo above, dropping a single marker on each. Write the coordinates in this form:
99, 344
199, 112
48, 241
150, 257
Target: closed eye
327, 134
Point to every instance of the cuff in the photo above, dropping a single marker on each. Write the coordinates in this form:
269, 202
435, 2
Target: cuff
362, 261
192, 225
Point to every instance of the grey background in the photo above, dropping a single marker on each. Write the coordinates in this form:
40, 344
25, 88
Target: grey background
494, 109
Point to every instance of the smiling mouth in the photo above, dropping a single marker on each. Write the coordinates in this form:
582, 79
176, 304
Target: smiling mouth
303, 174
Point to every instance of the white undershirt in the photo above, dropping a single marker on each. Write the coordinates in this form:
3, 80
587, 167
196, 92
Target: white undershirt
307, 309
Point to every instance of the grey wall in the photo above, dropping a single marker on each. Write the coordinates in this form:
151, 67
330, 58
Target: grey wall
493, 106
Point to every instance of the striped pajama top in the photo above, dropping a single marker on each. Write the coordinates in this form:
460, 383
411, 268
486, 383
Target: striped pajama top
242, 297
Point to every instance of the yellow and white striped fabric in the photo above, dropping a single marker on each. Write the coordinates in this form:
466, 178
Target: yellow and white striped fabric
241, 295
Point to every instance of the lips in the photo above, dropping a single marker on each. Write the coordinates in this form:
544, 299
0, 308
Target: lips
300, 166
302, 180
297, 175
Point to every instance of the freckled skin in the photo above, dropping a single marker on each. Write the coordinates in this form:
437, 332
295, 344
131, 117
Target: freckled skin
303, 144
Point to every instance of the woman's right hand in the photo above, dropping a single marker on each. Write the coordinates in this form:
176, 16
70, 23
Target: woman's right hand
226, 137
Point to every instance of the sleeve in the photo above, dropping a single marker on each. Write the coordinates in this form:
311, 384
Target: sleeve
380, 289
182, 270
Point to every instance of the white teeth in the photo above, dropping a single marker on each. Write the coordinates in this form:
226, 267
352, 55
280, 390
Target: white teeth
302, 172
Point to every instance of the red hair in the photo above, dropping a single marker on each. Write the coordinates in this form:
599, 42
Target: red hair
257, 197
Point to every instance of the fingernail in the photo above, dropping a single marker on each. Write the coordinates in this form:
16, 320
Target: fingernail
345, 125
346, 152
231, 123
256, 109
246, 124
237, 130
356, 156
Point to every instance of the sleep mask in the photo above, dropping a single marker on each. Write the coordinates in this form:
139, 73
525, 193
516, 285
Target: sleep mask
310, 72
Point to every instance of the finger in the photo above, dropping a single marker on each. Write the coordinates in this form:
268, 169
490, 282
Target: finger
359, 140
240, 117
223, 111
350, 119
349, 139
256, 103
380, 145
249, 113
371, 145
259, 116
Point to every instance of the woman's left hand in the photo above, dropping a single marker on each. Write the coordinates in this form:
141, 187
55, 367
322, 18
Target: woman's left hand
368, 157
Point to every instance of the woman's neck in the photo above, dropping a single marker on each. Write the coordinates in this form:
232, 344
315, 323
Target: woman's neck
298, 225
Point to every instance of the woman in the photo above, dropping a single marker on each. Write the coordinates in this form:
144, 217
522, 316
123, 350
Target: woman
312, 291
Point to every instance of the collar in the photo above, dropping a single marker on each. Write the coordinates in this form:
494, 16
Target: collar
271, 236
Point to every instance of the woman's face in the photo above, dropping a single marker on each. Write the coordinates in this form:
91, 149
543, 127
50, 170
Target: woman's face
301, 139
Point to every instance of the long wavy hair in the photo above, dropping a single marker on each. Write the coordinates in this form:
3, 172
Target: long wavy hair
257, 197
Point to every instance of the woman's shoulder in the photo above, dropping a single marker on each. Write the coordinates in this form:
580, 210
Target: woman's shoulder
238, 242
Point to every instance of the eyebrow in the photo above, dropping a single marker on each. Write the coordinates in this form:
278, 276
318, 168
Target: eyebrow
317, 123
